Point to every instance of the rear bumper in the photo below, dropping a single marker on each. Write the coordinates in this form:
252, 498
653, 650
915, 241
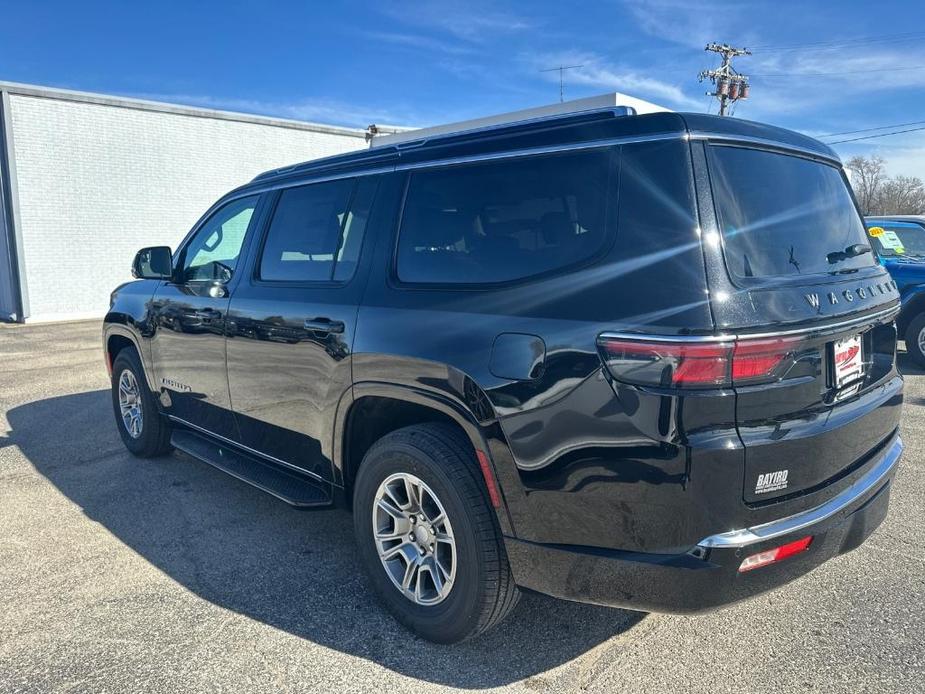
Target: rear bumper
707, 577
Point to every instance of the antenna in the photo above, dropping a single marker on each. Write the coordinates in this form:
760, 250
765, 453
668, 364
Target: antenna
562, 69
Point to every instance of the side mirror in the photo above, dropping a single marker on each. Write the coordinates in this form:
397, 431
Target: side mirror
154, 263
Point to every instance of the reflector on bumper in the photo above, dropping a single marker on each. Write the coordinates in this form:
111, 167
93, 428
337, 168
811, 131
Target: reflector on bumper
771, 556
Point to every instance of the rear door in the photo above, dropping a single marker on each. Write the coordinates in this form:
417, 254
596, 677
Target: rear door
793, 275
292, 321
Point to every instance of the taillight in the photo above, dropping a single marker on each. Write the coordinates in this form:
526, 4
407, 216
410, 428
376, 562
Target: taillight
696, 364
772, 556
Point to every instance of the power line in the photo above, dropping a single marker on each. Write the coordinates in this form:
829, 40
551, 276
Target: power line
826, 45
867, 130
871, 137
845, 72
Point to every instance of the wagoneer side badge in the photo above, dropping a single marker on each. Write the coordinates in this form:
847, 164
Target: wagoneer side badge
175, 385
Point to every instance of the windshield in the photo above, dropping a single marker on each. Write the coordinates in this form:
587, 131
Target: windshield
895, 240
783, 215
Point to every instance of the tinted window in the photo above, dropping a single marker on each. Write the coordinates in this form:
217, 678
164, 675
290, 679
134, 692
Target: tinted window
315, 234
898, 239
783, 215
212, 254
505, 220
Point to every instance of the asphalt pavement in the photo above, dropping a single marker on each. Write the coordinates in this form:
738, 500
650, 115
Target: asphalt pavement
165, 575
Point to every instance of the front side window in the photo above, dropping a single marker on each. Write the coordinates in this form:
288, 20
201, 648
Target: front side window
316, 232
503, 221
783, 215
212, 254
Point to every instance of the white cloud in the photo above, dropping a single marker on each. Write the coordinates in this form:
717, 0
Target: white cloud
326, 111
476, 22
596, 71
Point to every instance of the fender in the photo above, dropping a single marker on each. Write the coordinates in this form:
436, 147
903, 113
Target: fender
123, 326
478, 434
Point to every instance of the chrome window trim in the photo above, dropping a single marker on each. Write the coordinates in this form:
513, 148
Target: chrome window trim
727, 337
253, 451
806, 519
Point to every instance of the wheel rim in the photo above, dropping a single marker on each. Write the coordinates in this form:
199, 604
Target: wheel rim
130, 404
921, 340
414, 539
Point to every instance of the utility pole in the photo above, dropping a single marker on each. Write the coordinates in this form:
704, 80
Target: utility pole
562, 69
730, 86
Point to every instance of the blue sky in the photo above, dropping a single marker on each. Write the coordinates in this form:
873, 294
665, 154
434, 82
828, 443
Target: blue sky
420, 63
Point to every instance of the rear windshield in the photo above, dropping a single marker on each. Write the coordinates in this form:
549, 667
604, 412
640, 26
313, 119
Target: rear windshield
783, 215
892, 240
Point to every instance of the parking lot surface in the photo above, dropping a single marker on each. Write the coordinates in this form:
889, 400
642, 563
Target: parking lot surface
165, 575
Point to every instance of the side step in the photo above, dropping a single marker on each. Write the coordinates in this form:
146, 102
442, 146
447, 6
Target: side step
290, 486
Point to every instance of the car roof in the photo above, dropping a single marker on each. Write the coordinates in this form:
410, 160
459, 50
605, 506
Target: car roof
544, 133
880, 221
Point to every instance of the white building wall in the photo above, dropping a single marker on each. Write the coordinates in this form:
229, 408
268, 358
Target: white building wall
97, 182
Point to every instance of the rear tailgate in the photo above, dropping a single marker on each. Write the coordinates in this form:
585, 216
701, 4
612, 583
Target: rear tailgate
793, 266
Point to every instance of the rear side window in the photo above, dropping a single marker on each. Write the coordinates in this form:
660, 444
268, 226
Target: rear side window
783, 215
316, 232
506, 220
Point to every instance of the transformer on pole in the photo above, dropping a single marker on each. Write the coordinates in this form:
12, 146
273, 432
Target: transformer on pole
729, 85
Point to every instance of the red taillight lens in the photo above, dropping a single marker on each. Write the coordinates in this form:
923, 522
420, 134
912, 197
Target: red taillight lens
758, 360
771, 556
693, 364
667, 364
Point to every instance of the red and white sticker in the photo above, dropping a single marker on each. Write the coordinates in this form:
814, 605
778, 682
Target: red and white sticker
849, 361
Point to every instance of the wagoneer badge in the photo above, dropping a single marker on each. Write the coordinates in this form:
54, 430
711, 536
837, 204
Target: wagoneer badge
861, 292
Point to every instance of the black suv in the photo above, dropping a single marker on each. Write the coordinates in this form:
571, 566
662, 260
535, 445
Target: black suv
643, 361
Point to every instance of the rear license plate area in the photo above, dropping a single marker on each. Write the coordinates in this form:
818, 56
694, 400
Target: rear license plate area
848, 365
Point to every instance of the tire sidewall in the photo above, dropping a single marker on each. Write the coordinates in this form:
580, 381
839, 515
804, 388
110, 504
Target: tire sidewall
127, 360
457, 615
912, 339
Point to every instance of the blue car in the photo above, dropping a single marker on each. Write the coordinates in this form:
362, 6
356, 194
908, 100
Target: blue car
900, 245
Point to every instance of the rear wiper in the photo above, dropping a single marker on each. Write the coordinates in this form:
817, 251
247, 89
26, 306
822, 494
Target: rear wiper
850, 252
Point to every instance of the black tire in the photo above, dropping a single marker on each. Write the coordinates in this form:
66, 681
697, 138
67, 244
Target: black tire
154, 436
483, 592
912, 339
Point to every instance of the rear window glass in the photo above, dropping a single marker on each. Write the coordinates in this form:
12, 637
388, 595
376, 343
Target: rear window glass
503, 221
783, 215
891, 240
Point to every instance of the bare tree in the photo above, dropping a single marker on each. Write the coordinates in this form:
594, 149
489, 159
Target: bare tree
902, 195
867, 178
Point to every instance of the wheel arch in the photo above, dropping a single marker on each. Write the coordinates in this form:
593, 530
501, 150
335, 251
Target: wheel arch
376, 409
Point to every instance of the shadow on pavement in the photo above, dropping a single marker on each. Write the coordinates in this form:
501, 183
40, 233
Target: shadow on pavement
240, 549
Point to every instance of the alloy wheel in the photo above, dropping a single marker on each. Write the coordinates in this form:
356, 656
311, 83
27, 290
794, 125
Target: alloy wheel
130, 403
414, 539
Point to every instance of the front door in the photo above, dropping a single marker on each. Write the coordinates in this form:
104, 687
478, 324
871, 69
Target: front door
188, 346
291, 322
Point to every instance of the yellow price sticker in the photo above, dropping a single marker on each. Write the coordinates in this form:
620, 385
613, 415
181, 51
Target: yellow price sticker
875, 231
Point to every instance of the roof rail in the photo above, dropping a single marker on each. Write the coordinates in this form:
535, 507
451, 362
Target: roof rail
608, 102
417, 139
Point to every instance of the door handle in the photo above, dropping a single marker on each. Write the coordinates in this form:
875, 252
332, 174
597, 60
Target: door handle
324, 325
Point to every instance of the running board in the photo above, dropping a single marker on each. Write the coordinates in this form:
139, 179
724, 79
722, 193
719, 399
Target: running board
290, 486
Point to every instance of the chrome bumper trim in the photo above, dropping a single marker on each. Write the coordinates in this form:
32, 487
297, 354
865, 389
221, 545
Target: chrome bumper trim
799, 521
